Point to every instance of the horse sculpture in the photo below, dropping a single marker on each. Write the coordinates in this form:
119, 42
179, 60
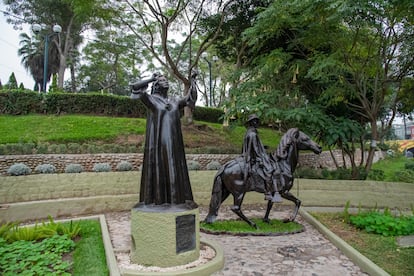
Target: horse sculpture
230, 178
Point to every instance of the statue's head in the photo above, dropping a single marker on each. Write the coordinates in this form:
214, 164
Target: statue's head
253, 120
160, 86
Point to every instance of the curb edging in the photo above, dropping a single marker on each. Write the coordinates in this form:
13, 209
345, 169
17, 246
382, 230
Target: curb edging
363, 262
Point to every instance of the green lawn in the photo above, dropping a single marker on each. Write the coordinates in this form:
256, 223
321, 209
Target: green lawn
69, 128
87, 129
390, 165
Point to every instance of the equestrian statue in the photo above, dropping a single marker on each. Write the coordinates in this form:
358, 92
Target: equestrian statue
238, 176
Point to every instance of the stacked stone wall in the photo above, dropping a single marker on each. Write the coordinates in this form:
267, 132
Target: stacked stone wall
324, 160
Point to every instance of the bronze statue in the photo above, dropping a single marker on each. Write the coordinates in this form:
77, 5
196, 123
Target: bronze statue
257, 160
165, 177
230, 179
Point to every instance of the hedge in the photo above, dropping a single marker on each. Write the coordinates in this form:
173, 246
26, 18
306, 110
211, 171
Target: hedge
15, 102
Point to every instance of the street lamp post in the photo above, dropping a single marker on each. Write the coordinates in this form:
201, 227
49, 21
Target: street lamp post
56, 30
204, 55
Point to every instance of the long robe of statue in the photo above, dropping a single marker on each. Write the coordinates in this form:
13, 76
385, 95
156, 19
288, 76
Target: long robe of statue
164, 174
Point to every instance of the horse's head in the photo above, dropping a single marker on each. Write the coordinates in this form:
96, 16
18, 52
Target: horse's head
303, 142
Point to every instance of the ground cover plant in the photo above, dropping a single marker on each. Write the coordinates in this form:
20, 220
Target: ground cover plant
239, 227
381, 247
52, 249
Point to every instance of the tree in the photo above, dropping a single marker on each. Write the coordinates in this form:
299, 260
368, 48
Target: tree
73, 15
345, 58
155, 22
12, 84
110, 61
32, 58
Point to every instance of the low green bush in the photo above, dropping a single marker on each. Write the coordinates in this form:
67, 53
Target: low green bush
307, 172
124, 166
45, 168
383, 223
193, 165
102, 167
74, 168
376, 174
409, 165
404, 176
19, 169
213, 165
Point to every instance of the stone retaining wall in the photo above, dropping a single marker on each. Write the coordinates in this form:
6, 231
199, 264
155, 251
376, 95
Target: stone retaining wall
324, 160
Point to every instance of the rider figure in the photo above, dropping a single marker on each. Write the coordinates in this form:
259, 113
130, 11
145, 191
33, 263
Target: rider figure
257, 159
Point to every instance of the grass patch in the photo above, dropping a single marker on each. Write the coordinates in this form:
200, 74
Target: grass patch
68, 128
208, 137
382, 250
239, 227
89, 255
390, 165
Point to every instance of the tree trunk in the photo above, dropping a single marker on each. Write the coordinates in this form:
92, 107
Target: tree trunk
373, 145
188, 112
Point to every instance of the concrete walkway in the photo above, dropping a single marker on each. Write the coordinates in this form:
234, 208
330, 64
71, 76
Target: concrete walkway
307, 253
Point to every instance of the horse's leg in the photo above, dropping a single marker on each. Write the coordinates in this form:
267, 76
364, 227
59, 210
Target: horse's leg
236, 208
269, 207
287, 195
218, 195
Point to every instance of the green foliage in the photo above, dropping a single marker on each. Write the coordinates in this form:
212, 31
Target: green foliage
19, 169
309, 173
41, 258
240, 227
208, 114
45, 168
12, 232
124, 166
19, 102
384, 223
404, 176
409, 165
376, 174
102, 167
74, 168
12, 84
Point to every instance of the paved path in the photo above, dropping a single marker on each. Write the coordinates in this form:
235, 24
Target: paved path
306, 253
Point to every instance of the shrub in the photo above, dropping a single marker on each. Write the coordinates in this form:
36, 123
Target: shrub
404, 176
308, 172
214, 165
376, 174
19, 169
73, 148
74, 168
124, 166
383, 223
102, 167
409, 165
193, 165
45, 168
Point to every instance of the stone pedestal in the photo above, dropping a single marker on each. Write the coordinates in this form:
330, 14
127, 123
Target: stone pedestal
164, 235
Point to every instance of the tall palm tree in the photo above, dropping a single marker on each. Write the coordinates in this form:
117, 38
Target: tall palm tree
32, 52
32, 58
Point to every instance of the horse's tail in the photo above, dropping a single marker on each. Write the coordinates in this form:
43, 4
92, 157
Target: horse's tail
216, 197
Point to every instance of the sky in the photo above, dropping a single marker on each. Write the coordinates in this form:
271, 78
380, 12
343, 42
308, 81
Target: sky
9, 60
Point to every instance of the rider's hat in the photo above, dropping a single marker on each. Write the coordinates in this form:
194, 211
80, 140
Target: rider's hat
252, 117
